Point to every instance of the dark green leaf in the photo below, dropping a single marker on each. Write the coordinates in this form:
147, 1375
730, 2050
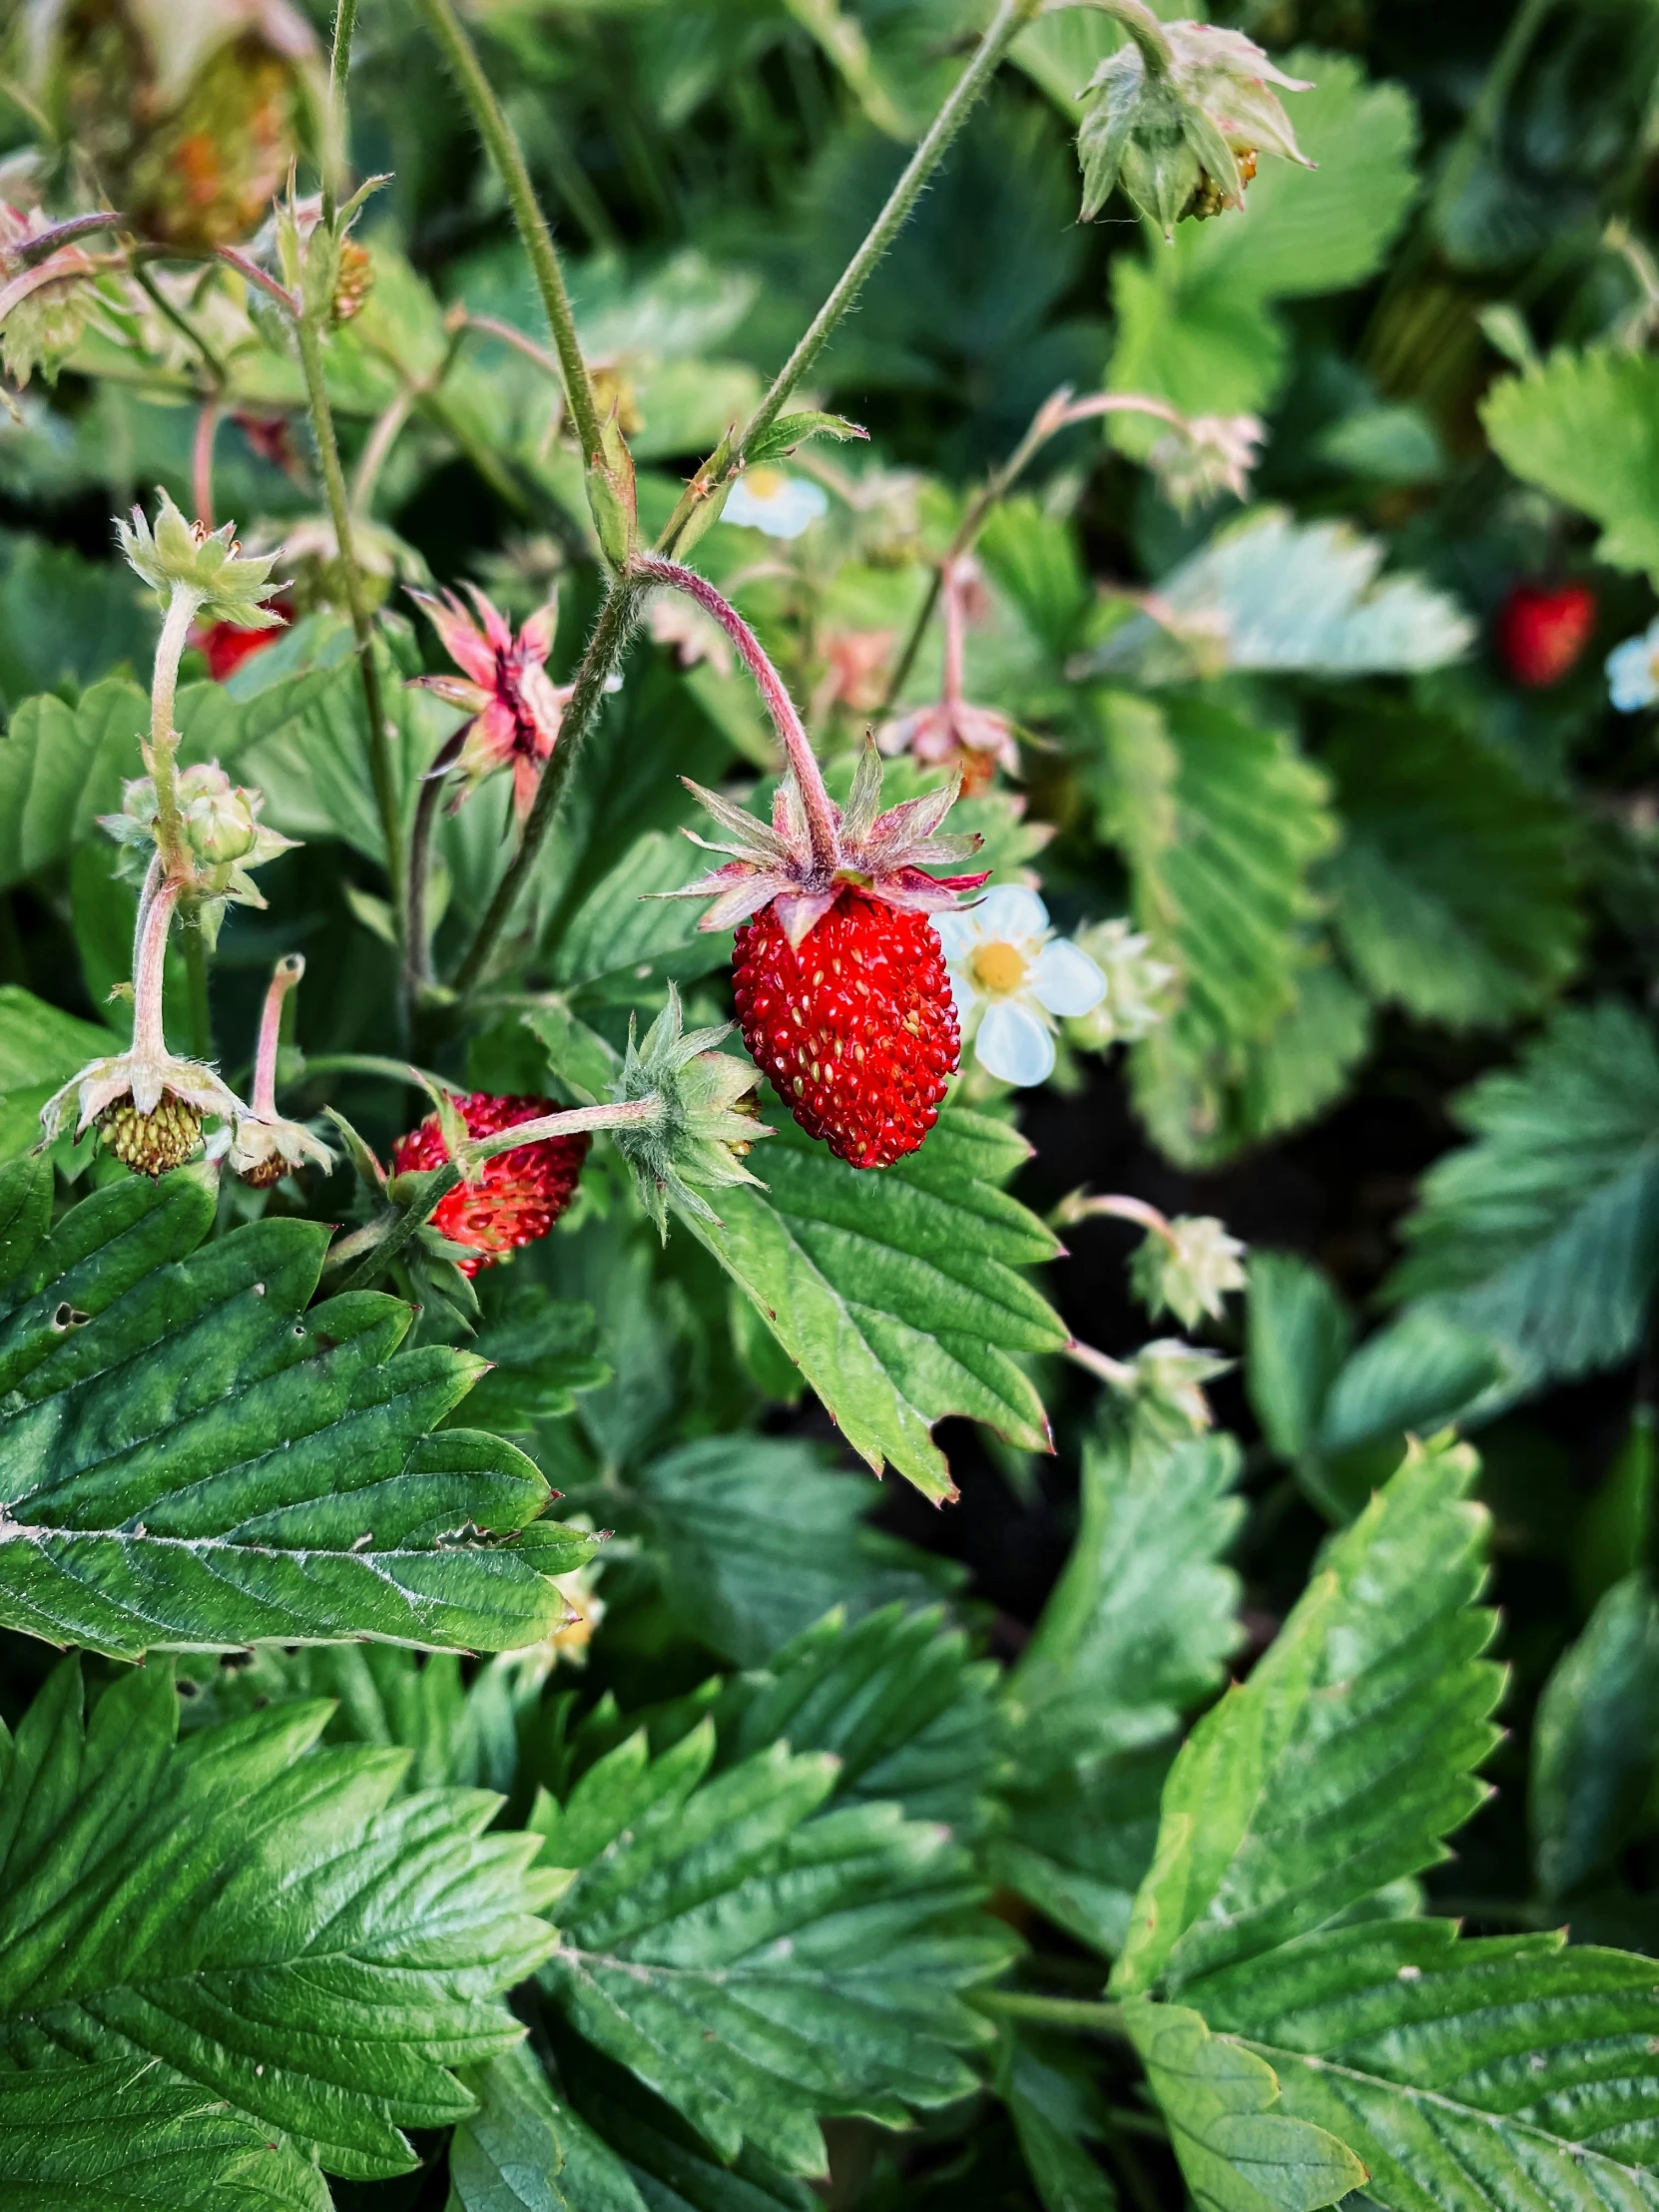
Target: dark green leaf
1595, 1740
191, 1457
256, 1917
758, 1967
40, 1049
1585, 426
792, 430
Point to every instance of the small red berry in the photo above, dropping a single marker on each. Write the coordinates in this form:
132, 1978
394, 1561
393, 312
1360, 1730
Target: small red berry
856, 1027
519, 1195
1543, 629
226, 645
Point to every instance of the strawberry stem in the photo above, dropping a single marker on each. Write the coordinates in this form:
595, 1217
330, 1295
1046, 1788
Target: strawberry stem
150, 966
823, 816
283, 978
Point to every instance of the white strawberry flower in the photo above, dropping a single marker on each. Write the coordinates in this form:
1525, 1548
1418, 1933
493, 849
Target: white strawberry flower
783, 506
1013, 979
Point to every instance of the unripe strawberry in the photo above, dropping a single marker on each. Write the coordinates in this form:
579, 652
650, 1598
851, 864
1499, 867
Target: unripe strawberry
149, 1144
517, 1196
855, 1025
1543, 630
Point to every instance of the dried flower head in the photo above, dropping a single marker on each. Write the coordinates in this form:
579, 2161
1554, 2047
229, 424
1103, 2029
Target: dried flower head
225, 585
709, 1118
1186, 1269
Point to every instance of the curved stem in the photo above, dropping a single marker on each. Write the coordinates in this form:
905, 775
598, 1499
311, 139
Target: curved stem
508, 156
405, 1226
823, 820
1010, 18
1138, 19
284, 975
181, 323
182, 610
252, 274
378, 445
1080, 1207
201, 461
149, 969
340, 509
605, 649
1101, 1365
417, 965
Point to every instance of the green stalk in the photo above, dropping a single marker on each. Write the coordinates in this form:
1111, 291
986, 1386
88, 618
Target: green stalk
603, 657
502, 142
182, 610
340, 68
1010, 19
1099, 2016
340, 509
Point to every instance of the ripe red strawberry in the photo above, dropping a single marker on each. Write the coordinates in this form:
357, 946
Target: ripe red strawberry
226, 645
855, 1025
519, 1195
1543, 629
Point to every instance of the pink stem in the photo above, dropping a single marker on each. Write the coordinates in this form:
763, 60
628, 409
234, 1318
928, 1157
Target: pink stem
823, 816
1121, 1209
202, 462
254, 274
955, 635
283, 978
150, 967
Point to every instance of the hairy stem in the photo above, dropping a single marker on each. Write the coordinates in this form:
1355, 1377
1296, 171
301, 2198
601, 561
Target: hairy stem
340, 509
283, 978
1010, 18
182, 610
502, 141
599, 663
821, 817
1080, 1207
154, 920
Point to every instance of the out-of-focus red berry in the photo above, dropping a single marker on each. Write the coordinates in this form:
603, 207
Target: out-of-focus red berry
225, 646
520, 1194
1543, 630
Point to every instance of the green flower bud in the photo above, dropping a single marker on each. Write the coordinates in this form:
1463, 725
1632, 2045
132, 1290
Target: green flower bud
708, 1119
1177, 116
226, 585
1137, 987
1188, 1269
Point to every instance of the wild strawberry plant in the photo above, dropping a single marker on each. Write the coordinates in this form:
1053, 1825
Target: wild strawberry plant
565, 975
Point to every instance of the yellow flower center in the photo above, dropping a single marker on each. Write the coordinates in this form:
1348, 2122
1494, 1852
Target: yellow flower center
997, 968
764, 482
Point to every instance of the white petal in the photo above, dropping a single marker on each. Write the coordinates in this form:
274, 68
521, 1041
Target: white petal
1011, 912
962, 990
1065, 980
958, 931
1013, 1045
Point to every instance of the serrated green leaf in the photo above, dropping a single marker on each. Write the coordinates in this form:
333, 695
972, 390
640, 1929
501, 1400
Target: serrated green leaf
901, 1297
1348, 1755
541, 1356
626, 927
1595, 1740
521, 2152
1136, 1631
1220, 824
64, 619
61, 767
1544, 1234
1486, 2074
1454, 880
792, 430
756, 1968
759, 1537
255, 1916
1273, 595
666, 2162
896, 1698
1240, 2148
40, 1049
1297, 1332
121, 2137
1055, 2115
191, 1457
1585, 426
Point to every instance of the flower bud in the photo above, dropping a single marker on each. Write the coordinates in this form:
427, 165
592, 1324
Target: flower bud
1188, 1268
1177, 117
226, 585
1137, 987
708, 1117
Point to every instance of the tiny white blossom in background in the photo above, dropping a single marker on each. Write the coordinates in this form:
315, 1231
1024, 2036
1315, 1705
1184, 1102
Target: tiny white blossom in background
1188, 1268
1136, 987
1633, 671
1012, 977
783, 506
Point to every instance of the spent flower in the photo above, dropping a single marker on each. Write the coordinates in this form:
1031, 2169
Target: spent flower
707, 1115
262, 1147
1208, 455
222, 582
1177, 117
1186, 1268
1137, 987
